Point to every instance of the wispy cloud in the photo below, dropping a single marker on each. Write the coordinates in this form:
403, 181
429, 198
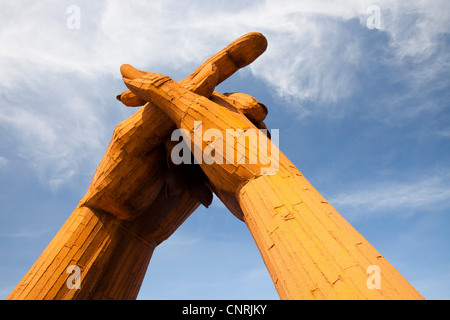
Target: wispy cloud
55, 137
181, 239
51, 80
27, 233
405, 198
3, 163
444, 133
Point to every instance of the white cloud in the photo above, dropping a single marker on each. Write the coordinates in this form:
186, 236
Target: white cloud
405, 198
27, 233
445, 133
312, 52
3, 163
180, 239
309, 41
57, 137
415, 25
313, 56
315, 52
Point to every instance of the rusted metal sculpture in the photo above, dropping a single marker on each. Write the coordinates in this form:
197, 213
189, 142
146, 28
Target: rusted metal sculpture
139, 196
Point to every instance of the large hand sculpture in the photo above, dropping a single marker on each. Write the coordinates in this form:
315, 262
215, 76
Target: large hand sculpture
134, 202
138, 197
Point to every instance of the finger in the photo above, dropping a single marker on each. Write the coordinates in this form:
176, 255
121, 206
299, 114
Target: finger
148, 87
253, 109
130, 72
129, 99
236, 55
213, 71
187, 109
204, 82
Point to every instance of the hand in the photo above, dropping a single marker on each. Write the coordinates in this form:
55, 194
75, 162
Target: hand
135, 178
310, 251
195, 114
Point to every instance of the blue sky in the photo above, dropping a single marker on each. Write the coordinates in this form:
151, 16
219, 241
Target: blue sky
363, 113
